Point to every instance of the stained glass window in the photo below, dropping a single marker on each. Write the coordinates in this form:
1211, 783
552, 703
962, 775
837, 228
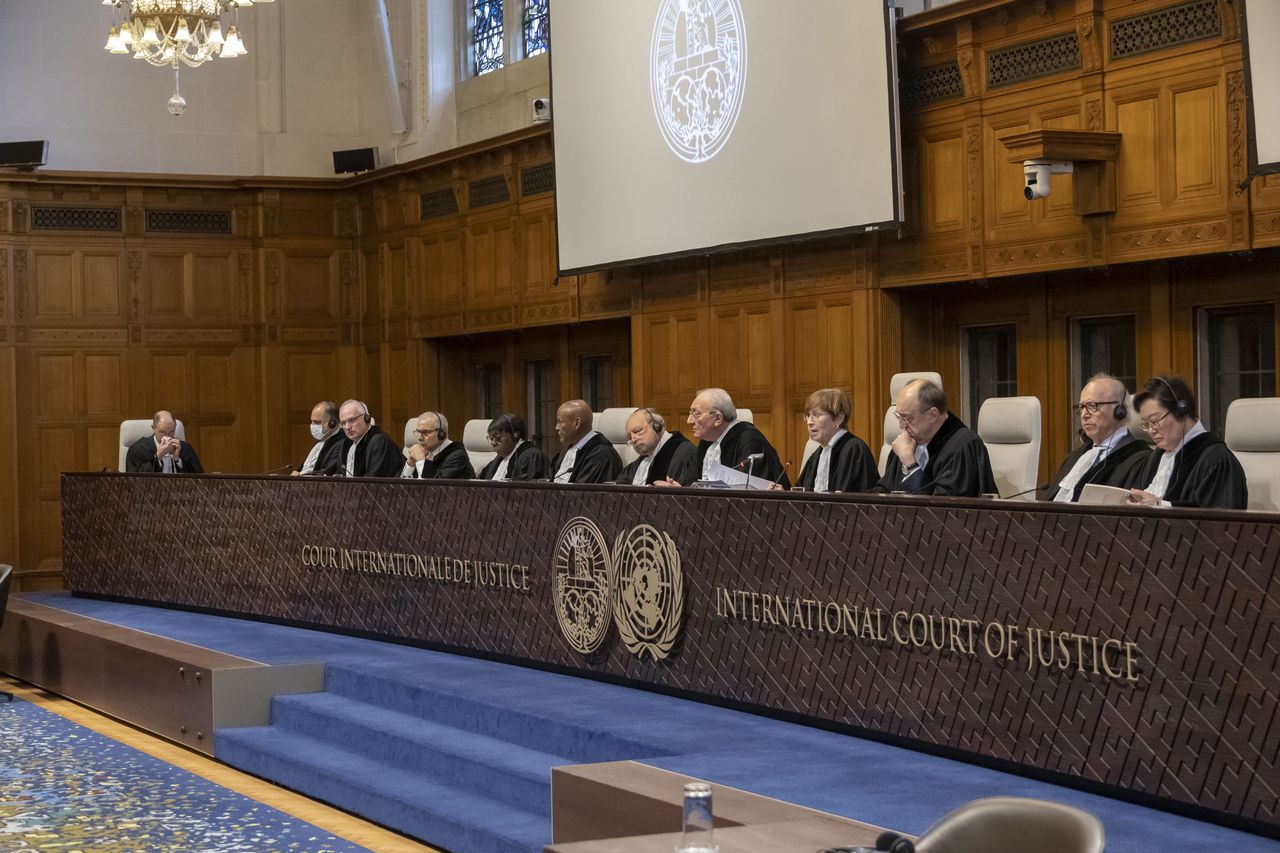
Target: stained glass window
487, 52
536, 37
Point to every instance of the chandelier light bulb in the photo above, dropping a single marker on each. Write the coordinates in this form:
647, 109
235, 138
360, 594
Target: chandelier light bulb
183, 35
113, 38
126, 34
149, 36
215, 34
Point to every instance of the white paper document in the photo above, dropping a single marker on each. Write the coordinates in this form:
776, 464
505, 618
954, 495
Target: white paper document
737, 479
1098, 494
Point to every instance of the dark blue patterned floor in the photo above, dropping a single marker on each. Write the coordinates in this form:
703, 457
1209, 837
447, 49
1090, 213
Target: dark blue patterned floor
66, 788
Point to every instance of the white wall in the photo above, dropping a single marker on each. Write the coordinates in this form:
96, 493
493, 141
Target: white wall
314, 81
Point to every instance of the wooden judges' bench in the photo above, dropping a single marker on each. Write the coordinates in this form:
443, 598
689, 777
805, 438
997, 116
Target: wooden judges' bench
1122, 648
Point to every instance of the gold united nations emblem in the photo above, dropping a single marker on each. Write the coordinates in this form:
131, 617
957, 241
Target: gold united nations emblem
584, 584
639, 586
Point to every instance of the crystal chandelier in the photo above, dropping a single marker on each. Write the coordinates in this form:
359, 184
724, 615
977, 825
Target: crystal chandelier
176, 32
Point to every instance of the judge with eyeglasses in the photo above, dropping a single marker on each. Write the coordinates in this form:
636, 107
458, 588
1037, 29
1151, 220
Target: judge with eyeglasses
1190, 466
1110, 452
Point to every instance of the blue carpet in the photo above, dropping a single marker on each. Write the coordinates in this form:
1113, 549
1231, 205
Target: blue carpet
488, 733
65, 787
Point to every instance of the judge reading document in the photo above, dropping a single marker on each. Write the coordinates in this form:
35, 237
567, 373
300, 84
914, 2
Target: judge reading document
518, 458
661, 455
1189, 466
844, 463
434, 456
725, 440
1109, 453
935, 454
585, 456
162, 452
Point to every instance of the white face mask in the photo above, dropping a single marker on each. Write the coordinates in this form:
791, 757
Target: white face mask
317, 432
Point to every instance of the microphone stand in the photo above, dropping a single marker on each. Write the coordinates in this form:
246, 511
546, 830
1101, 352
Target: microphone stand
751, 464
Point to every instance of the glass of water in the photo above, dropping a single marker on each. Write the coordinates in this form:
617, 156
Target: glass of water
698, 835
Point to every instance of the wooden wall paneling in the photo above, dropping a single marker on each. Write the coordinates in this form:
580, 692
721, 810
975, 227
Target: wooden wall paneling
676, 354
167, 284
1196, 284
535, 238
10, 483
309, 287
615, 293
489, 250
1264, 200
607, 338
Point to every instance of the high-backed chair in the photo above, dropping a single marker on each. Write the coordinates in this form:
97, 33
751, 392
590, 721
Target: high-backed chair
746, 416
1010, 428
475, 438
612, 424
6, 574
896, 383
1014, 823
1253, 434
132, 430
410, 435
810, 447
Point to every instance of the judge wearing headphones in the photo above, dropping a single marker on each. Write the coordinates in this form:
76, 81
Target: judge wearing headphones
518, 458
1110, 452
369, 451
326, 456
1189, 466
435, 456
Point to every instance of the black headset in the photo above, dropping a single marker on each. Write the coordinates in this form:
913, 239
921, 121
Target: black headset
442, 426
1181, 408
332, 411
1121, 411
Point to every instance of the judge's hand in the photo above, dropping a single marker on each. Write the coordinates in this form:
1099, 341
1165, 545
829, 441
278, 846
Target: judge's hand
417, 454
668, 483
1137, 497
905, 449
168, 447
295, 473
777, 487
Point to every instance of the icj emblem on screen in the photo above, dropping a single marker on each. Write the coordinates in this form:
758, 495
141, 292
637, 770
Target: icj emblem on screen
698, 74
639, 586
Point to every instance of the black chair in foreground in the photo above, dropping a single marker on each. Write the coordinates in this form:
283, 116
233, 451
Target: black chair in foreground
1014, 823
5, 573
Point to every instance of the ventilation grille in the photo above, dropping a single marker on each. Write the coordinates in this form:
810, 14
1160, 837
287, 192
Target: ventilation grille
487, 191
1033, 59
538, 179
437, 204
75, 218
930, 85
189, 221
1165, 28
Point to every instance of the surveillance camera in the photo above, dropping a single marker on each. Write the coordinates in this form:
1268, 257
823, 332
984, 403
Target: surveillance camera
542, 109
1036, 176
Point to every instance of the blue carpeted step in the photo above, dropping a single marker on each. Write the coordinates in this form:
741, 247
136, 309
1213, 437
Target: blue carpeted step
433, 811
575, 728
515, 774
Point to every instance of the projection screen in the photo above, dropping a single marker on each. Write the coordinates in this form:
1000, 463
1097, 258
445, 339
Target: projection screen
1262, 62
688, 126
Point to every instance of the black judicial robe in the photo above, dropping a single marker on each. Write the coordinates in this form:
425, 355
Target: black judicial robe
1117, 469
596, 462
1205, 474
376, 455
333, 456
452, 463
853, 468
141, 458
530, 463
677, 459
958, 466
742, 441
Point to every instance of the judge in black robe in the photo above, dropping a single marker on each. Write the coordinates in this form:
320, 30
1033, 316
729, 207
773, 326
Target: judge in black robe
451, 462
675, 458
142, 458
714, 419
376, 455
853, 468
1199, 469
332, 458
507, 437
593, 458
957, 463
1117, 468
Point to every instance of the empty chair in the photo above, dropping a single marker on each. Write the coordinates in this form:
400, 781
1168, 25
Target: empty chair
746, 416
1253, 434
1014, 823
612, 424
896, 383
475, 438
132, 430
1010, 428
810, 447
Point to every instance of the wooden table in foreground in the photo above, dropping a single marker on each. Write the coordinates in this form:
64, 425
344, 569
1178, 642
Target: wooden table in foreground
1126, 649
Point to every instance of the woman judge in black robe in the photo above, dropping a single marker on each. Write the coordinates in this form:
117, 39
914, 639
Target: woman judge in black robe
851, 467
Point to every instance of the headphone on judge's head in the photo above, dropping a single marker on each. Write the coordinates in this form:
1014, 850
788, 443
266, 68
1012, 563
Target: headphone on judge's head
1121, 411
1181, 407
442, 425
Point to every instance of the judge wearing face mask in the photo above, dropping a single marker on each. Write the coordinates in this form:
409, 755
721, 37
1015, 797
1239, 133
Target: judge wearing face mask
325, 458
1189, 466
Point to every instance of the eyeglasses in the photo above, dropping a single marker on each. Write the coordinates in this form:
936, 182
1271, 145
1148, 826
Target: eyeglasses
423, 431
908, 420
495, 438
695, 414
1153, 423
1092, 408
351, 421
